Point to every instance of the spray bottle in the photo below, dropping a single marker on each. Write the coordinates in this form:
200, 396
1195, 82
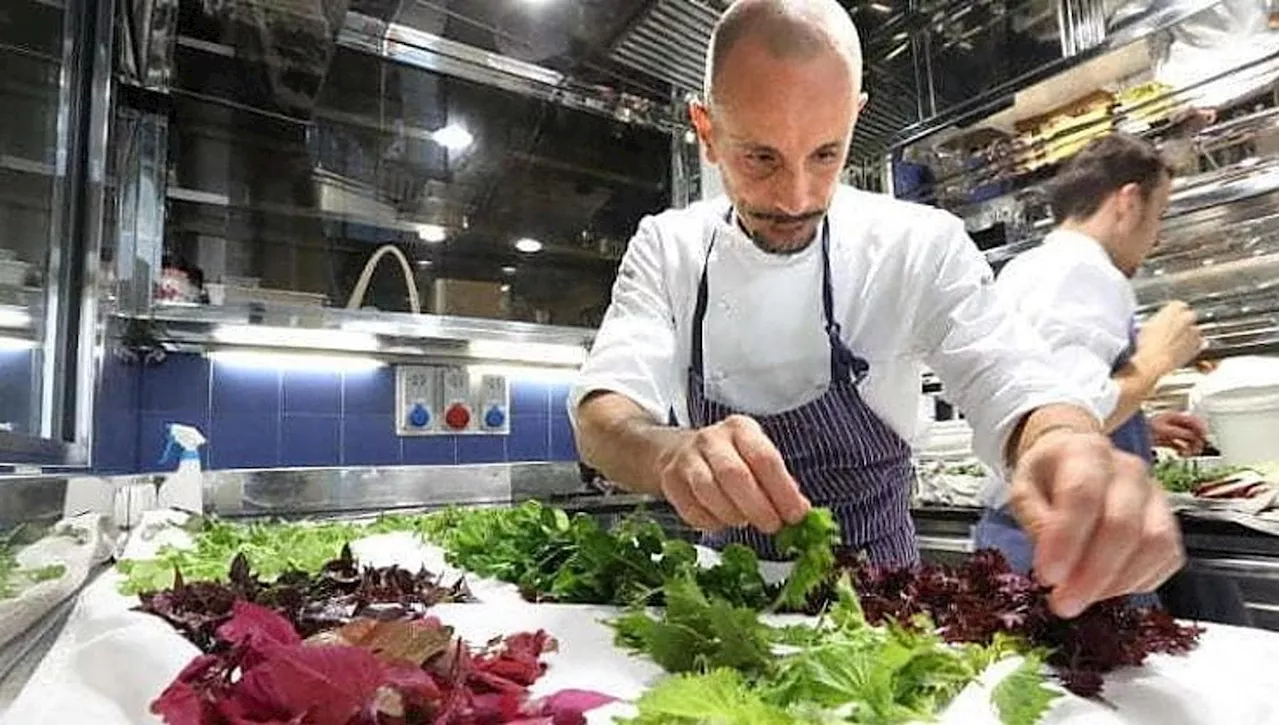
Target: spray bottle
184, 488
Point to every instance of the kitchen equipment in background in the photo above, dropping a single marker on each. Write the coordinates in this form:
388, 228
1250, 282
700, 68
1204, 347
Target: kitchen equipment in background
1240, 400
418, 397
230, 294
450, 400
494, 404
362, 284
13, 271
459, 409
469, 298
949, 439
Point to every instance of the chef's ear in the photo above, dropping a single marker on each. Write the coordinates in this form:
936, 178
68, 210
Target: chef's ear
700, 114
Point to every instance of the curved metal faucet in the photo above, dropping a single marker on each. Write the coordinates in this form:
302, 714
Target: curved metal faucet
362, 285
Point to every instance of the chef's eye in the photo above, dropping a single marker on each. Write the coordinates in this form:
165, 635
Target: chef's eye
827, 156
761, 160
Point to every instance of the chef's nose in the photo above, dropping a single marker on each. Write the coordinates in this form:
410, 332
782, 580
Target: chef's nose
791, 191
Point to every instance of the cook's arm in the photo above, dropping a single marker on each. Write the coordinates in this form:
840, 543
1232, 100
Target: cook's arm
1084, 321
993, 366
620, 399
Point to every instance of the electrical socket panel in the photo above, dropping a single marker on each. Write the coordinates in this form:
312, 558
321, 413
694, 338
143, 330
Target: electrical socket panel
450, 400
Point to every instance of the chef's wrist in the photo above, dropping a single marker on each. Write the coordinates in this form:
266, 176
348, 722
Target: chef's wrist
1149, 367
1048, 421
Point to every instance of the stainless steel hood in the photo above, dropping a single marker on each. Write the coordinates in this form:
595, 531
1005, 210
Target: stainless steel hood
669, 41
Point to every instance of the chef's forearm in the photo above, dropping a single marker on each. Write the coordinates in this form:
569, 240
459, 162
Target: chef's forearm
1044, 421
621, 440
1135, 381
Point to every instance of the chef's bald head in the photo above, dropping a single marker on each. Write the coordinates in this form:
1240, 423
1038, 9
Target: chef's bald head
788, 29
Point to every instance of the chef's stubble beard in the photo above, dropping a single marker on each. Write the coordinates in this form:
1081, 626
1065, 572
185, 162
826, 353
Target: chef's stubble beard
765, 245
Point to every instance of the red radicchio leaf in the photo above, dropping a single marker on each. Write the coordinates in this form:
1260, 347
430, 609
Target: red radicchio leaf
330, 685
413, 683
566, 707
180, 704
257, 628
187, 700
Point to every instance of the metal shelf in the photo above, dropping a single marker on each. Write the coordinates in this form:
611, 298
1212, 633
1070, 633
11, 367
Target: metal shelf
398, 334
27, 166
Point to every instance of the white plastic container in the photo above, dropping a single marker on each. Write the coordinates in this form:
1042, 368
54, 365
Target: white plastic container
1245, 424
1241, 402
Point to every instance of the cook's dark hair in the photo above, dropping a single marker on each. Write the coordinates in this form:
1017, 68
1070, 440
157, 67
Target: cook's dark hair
1102, 167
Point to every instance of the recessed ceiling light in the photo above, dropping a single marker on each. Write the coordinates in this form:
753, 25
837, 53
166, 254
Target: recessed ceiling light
508, 270
453, 137
431, 233
424, 262
528, 246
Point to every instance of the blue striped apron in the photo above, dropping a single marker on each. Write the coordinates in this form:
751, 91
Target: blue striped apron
842, 455
1000, 530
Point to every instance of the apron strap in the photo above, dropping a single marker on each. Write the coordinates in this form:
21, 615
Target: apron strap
845, 365
700, 311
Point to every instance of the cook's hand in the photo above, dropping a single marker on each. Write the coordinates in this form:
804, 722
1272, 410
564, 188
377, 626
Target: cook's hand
1182, 432
1101, 526
730, 474
1170, 339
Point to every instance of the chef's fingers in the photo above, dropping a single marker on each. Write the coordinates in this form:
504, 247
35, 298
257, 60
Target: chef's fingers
1115, 542
705, 488
1160, 554
1074, 474
736, 481
766, 464
1193, 424
677, 492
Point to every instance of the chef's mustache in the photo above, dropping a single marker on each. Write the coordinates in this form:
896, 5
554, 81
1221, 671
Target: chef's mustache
778, 217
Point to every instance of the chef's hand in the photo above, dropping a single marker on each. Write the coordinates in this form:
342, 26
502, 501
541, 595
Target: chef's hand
1182, 432
1169, 340
728, 475
1101, 526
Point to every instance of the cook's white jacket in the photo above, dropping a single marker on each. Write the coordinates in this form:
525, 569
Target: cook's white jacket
910, 289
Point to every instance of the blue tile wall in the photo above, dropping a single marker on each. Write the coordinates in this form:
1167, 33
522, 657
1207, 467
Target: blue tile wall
257, 417
115, 419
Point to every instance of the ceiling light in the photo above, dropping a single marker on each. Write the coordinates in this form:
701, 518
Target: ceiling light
504, 288
528, 246
16, 343
453, 137
528, 352
508, 270
13, 317
431, 233
265, 336
424, 262
880, 8
293, 361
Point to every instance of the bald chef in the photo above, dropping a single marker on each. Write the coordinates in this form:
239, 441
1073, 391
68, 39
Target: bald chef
786, 325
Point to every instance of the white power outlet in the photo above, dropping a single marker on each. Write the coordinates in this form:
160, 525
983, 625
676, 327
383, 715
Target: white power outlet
418, 399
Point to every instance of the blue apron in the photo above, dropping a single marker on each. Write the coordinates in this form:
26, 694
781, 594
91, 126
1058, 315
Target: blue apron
842, 455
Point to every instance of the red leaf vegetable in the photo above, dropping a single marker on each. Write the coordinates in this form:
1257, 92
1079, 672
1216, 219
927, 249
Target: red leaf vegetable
368, 673
982, 597
339, 593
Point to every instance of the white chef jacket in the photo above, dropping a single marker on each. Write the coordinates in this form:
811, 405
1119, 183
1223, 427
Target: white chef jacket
910, 288
1082, 306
